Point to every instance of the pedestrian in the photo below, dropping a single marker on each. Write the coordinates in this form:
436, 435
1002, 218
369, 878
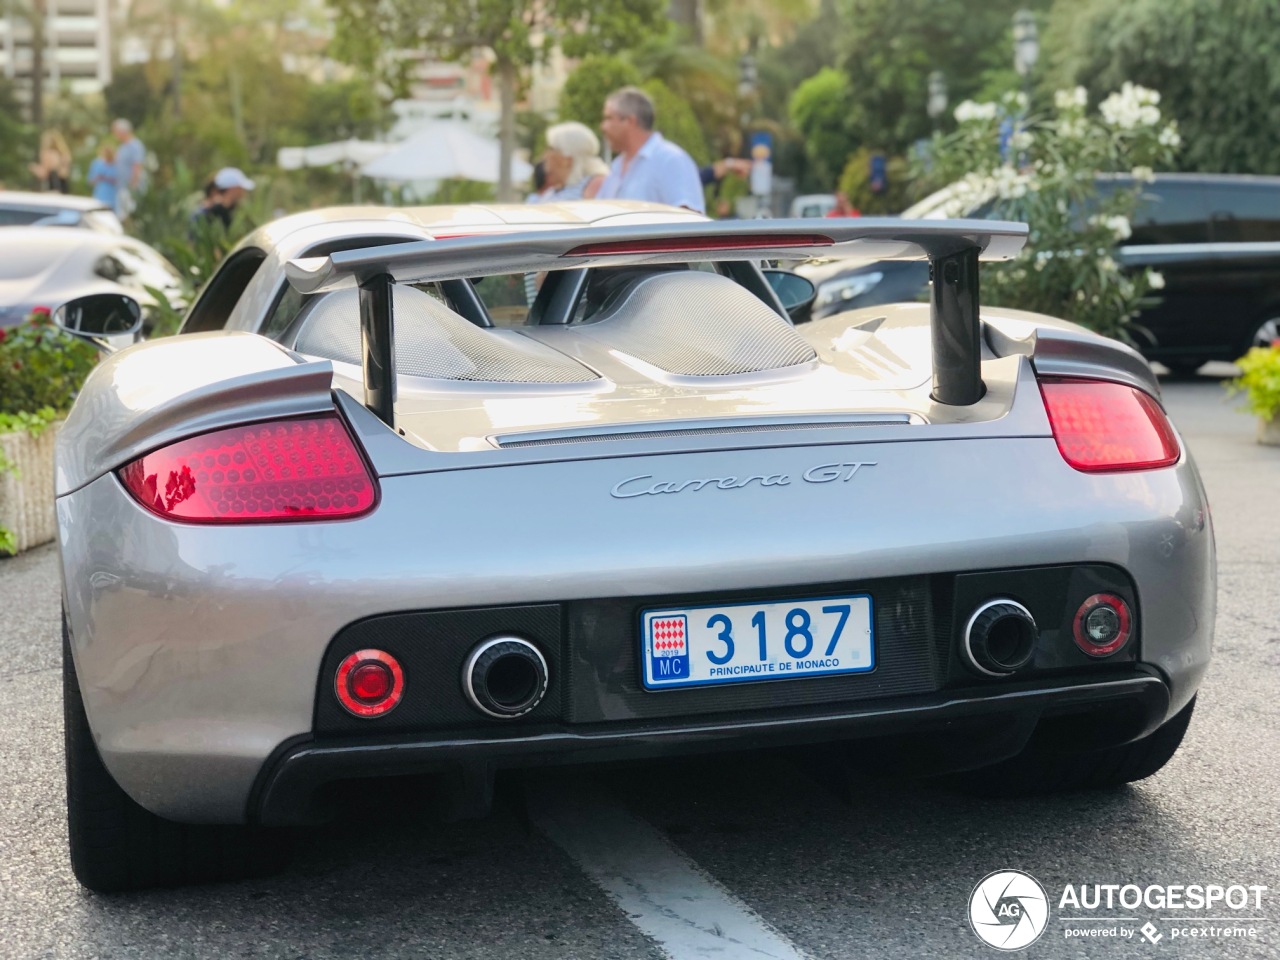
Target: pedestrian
131, 156
222, 194
843, 207
647, 165
102, 175
540, 186
53, 169
572, 159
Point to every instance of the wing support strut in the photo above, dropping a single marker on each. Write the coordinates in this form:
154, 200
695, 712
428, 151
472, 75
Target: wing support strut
377, 345
956, 329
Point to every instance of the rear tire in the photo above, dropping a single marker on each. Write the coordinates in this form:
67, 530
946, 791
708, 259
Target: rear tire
1040, 769
118, 845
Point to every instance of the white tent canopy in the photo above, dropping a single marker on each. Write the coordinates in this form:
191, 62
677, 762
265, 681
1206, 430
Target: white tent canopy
444, 150
355, 152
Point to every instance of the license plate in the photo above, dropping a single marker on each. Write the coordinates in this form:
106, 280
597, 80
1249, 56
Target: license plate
750, 642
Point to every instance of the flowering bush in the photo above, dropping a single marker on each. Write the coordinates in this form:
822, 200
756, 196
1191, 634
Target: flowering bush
40, 366
1259, 380
1043, 169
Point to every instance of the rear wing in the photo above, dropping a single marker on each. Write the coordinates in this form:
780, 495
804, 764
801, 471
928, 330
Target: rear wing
952, 247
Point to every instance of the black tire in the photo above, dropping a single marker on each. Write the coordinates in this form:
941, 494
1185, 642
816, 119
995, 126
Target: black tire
117, 845
1266, 333
1041, 769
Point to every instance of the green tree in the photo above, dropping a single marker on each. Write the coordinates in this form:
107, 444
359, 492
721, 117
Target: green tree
583, 94
889, 48
1214, 62
516, 33
820, 111
17, 140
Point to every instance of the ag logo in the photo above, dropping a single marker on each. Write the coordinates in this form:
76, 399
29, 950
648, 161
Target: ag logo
1008, 910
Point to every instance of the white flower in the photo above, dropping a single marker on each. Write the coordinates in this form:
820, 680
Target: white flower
970, 111
1155, 279
1169, 137
1130, 107
1022, 140
1107, 265
1073, 128
1017, 101
1143, 174
1118, 225
1071, 99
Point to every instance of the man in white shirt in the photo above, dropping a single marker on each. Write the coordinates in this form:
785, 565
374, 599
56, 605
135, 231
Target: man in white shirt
647, 166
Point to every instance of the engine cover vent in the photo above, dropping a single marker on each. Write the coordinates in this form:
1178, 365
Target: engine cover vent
433, 341
697, 324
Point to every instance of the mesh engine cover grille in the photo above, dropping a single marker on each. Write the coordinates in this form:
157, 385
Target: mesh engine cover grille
433, 341
700, 325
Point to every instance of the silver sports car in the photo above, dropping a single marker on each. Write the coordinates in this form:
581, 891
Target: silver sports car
445, 491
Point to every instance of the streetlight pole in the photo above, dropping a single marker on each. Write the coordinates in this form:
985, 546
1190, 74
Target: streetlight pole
1026, 46
936, 105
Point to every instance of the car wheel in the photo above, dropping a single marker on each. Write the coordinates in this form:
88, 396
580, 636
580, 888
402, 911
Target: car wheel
1268, 332
1041, 768
118, 845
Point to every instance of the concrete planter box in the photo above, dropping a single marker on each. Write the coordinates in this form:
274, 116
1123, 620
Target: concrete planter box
26, 496
1269, 431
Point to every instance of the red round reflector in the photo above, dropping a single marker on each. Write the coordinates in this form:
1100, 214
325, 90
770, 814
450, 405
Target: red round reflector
369, 683
1102, 625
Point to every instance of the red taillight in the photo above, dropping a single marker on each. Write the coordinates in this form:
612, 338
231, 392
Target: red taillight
1102, 625
698, 244
305, 469
1102, 426
369, 683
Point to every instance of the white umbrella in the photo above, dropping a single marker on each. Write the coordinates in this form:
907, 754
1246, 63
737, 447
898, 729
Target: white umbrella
344, 152
444, 150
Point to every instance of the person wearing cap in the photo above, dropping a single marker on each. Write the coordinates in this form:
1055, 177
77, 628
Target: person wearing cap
221, 195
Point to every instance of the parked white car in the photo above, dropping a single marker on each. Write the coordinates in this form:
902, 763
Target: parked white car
22, 209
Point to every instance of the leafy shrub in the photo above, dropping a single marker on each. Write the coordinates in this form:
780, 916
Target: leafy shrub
1259, 380
41, 367
1042, 170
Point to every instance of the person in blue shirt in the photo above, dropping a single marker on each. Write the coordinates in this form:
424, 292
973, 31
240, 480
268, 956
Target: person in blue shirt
131, 156
647, 165
102, 175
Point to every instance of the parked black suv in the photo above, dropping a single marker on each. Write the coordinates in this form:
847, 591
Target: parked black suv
1214, 237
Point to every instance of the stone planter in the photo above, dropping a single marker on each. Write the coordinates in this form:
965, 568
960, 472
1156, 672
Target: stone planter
1269, 431
26, 494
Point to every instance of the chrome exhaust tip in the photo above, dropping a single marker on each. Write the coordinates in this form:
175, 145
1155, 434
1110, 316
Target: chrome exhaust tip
1000, 638
505, 677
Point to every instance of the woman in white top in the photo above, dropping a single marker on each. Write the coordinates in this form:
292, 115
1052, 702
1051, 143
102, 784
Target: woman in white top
573, 164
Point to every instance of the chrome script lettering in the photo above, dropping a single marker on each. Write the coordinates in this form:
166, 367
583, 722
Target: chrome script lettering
645, 484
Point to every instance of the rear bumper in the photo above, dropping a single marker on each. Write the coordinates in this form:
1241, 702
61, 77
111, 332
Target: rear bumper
290, 787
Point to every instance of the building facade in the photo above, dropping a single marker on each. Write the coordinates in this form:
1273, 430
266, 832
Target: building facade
77, 44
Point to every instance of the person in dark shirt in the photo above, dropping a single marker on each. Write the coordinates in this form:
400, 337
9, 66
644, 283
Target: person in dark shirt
221, 195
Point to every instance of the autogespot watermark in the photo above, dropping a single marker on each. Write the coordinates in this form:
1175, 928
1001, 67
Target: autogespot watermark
1010, 910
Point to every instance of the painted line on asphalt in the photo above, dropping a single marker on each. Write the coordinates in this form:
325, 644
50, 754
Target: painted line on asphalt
667, 896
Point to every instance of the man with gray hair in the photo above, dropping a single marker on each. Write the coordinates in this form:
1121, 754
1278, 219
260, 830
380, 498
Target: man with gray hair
130, 157
647, 166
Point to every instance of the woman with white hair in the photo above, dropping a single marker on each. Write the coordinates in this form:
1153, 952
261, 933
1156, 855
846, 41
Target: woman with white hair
573, 164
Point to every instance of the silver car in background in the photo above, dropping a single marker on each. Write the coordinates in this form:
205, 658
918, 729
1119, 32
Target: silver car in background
40, 266
443, 491
20, 208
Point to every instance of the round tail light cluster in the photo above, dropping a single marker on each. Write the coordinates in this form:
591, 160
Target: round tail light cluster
1102, 625
369, 683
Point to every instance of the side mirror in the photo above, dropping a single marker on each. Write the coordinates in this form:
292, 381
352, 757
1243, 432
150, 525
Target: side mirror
797, 293
100, 315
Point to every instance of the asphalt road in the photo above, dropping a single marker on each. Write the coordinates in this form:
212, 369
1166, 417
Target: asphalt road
759, 856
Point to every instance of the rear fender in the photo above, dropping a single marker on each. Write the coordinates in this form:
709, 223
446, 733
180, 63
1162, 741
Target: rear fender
161, 391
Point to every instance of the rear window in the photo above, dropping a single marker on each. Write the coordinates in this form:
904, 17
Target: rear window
507, 297
1170, 212
9, 217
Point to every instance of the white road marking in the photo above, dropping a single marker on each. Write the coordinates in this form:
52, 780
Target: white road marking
661, 891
